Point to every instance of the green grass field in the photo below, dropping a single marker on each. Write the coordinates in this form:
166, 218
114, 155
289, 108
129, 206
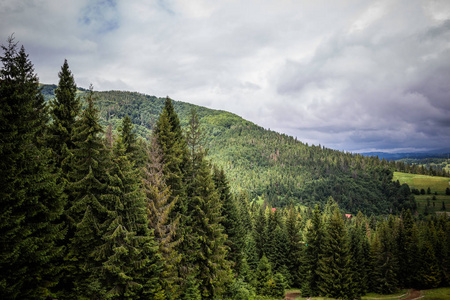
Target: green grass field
433, 294
436, 294
437, 186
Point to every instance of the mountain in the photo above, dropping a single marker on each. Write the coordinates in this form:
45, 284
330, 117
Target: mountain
438, 153
269, 165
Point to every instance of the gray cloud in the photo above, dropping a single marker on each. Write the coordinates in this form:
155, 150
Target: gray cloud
353, 75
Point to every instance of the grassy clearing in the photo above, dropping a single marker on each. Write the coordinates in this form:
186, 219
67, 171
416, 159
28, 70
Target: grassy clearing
399, 295
436, 184
431, 203
436, 294
433, 294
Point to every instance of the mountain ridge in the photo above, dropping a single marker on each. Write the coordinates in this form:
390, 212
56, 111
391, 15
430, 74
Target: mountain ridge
265, 164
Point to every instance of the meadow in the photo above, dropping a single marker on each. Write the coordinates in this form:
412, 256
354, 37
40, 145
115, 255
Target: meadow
432, 202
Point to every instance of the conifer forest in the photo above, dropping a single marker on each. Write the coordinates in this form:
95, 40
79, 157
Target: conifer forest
101, 201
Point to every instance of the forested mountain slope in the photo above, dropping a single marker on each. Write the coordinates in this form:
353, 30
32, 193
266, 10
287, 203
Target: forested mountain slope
268, 164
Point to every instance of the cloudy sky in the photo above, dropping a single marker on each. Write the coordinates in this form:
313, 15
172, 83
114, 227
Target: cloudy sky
349, 75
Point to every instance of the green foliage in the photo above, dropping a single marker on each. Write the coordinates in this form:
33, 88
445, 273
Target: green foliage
31, 200
240, 290
264, 279
231, 220
262, 162
208, 254
64, 110
334, 263
159, 206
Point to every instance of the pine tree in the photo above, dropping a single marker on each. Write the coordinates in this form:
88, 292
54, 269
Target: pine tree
173, 146
231, 221
87, 209
383, 277
294, 249
159, 206
277, 242
208, 254
130, 263
408, 250
31, 202
242, 204
334, 263
64, 110
429, 271
314, 239
263, 277
359, 253
128, 137
251, 253
260, 232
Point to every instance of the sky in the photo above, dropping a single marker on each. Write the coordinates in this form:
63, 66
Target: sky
357, 76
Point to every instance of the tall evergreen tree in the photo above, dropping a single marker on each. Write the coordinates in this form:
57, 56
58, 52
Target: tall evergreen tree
260, 231
159, 206
264, 277
64, 110
87, 209
173, 146
30, 200
231, 221
408, 250
130, 264
314, 239
334, 263
128, 137
208, 256
294, 249
359, 253
383, 277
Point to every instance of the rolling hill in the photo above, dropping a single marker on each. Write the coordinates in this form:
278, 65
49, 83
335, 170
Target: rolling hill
267, 164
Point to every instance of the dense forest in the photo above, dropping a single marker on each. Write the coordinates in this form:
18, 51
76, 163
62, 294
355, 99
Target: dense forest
269, 165
89, 210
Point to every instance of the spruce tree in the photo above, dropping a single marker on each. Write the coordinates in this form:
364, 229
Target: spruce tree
334, 263
87, 209
264, 277
205, 249
130, 264
314, 239
251, 252
31, 202
260, 231
231, 221
128, 137
277, 242
408, 250
174, 149
64, 110
359, 253
383, 277
159, 206
294, 246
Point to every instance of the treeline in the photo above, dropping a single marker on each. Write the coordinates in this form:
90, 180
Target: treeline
424, 166
327, 253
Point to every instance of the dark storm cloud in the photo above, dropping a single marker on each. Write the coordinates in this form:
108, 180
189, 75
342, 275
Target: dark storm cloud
351, 75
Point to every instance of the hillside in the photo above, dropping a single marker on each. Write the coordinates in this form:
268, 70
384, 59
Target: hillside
268, 164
